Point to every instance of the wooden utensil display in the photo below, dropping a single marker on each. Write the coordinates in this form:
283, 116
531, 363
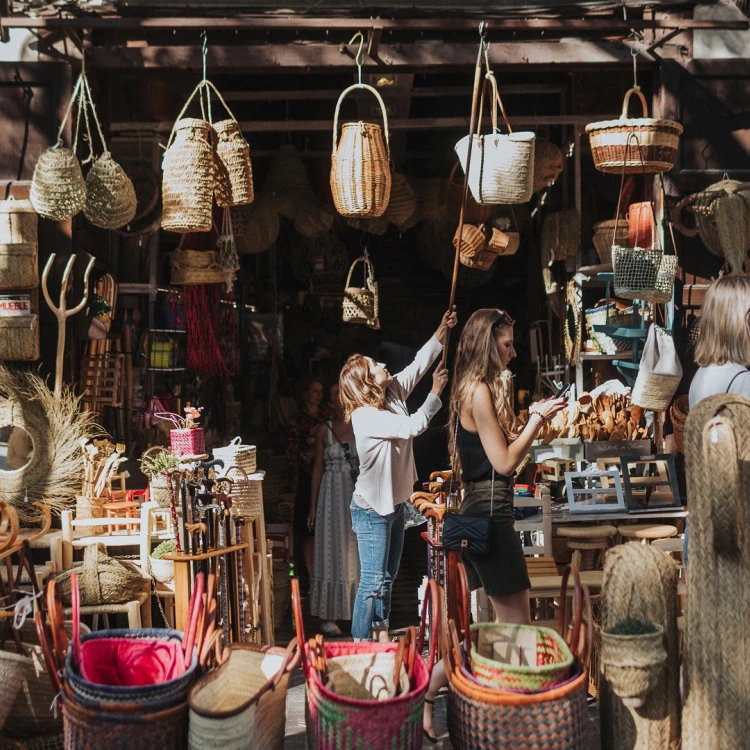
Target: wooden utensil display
61, 311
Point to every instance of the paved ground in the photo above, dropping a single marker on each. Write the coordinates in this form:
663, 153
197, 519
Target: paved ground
404, 613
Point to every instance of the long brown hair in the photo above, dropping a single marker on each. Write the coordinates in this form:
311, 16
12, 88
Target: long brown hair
477, 361
357, 387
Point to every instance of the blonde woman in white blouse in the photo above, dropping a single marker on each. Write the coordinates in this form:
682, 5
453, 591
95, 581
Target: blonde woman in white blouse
375, 402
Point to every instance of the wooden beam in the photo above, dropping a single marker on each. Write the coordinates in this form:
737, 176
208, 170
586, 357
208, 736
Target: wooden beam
393, 57
295, 22
418, 123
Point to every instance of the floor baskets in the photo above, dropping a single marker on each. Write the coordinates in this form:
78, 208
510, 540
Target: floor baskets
242, 704
336, 722
634, 145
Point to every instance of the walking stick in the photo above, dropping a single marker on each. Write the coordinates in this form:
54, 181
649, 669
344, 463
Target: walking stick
472, 132
61, 310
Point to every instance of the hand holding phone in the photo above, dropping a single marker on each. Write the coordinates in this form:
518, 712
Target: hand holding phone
563, 391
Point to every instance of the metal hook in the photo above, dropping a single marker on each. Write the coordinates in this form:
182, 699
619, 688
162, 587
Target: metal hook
358, 57
205, 54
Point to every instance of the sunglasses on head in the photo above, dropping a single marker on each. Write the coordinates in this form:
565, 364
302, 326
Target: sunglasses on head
503, 320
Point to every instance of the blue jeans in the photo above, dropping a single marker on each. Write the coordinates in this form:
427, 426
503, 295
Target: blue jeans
380, 540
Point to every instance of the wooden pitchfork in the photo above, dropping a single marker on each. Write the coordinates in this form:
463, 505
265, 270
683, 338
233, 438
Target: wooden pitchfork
61, 311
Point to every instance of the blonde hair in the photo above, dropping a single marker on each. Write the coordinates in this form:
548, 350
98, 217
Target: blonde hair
724, 335
477, 361
357, 387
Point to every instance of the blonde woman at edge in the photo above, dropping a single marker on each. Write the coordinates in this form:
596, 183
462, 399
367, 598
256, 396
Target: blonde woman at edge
490, 447
375, 402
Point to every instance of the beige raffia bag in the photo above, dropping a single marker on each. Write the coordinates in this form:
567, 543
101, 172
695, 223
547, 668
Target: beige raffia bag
360, 163
361, 303
502, 166
234, 186
660, 372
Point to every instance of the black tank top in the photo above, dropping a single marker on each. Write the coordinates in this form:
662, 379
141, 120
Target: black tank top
475, 465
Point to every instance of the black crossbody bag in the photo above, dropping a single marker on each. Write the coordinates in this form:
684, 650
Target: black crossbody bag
467, 533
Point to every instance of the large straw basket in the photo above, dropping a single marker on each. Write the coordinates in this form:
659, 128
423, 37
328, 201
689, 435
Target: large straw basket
13, 669
189, 178
19, 265
58, 190
360, 164
234, 185
247, 491
18, 222
634, 145
654, 391
502, 166
561, 235
643, 274
196, 267
242, 704
548, 163
19, 338
238, 454
473, 240
110, 195
360, 303
602, 237
402, 203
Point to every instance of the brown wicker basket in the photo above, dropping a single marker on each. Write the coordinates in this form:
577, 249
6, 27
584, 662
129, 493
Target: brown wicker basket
234, 184
110, 195
402, 203
482, 261
360, 164
19, 266
58, 190
197, 267
561, 235
503, 243
189, 178
679, 414
603, 234
454, 191
473, 241
256, 226
19, 338
18, 222
548, 163
634, 145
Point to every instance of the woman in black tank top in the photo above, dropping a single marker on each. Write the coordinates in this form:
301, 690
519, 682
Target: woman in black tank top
490, 447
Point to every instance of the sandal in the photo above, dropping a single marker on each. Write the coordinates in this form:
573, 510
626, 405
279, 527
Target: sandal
431, 737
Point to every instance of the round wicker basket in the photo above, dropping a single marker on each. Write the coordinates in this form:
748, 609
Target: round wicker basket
58, 190
189, 178
642, 145
548, 163
473, 241
603, 234
110, 195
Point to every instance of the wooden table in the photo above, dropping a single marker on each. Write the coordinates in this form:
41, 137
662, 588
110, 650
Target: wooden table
563, 516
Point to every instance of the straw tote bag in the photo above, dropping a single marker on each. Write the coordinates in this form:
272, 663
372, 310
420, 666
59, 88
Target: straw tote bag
660, 372
502, 166
361, 303
360, 164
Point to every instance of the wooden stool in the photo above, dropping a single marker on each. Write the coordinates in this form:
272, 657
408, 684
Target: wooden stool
585, 541
674, 547
647, 532
121, 507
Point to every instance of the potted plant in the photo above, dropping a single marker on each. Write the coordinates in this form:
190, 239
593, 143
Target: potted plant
161, 569
633, 657
157, 462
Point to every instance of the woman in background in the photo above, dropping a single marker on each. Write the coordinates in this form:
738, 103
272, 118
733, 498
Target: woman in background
335, 562
300, 450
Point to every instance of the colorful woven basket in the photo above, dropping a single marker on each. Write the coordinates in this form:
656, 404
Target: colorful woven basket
544, 659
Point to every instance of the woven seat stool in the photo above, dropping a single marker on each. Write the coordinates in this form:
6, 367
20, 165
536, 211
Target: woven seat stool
647, 532
138, 611
589, 544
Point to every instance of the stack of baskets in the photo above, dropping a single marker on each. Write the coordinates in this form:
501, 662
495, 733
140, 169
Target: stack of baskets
19, 275
479, 251
204, 160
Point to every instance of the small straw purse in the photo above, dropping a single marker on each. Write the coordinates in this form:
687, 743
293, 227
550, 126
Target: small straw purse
361, 303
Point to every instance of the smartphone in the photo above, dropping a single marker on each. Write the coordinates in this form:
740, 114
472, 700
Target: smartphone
563, 391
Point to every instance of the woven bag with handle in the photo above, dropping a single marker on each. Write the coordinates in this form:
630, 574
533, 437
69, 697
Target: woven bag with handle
361, 303
360, 163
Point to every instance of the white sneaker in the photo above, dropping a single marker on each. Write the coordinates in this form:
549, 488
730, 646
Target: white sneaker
329, 627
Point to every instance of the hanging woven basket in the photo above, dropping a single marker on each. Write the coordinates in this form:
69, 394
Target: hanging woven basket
548, 163
642, 145
360, 164
197, 267
503, 243
402, 204
454, 191
18, 222
58, 190
643, 274
481, 261
189, 178
561, 235
602, 237
110, 196
256, 226
361, 303
234, 184
473, 240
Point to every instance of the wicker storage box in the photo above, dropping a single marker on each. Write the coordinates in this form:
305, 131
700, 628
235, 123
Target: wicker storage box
19, 338
634, 145
19, 265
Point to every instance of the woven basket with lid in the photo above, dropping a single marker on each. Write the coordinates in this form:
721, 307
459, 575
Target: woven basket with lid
360, 164
189, 178
634, 145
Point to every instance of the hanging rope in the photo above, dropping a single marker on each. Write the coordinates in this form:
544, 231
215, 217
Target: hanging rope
201, 302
